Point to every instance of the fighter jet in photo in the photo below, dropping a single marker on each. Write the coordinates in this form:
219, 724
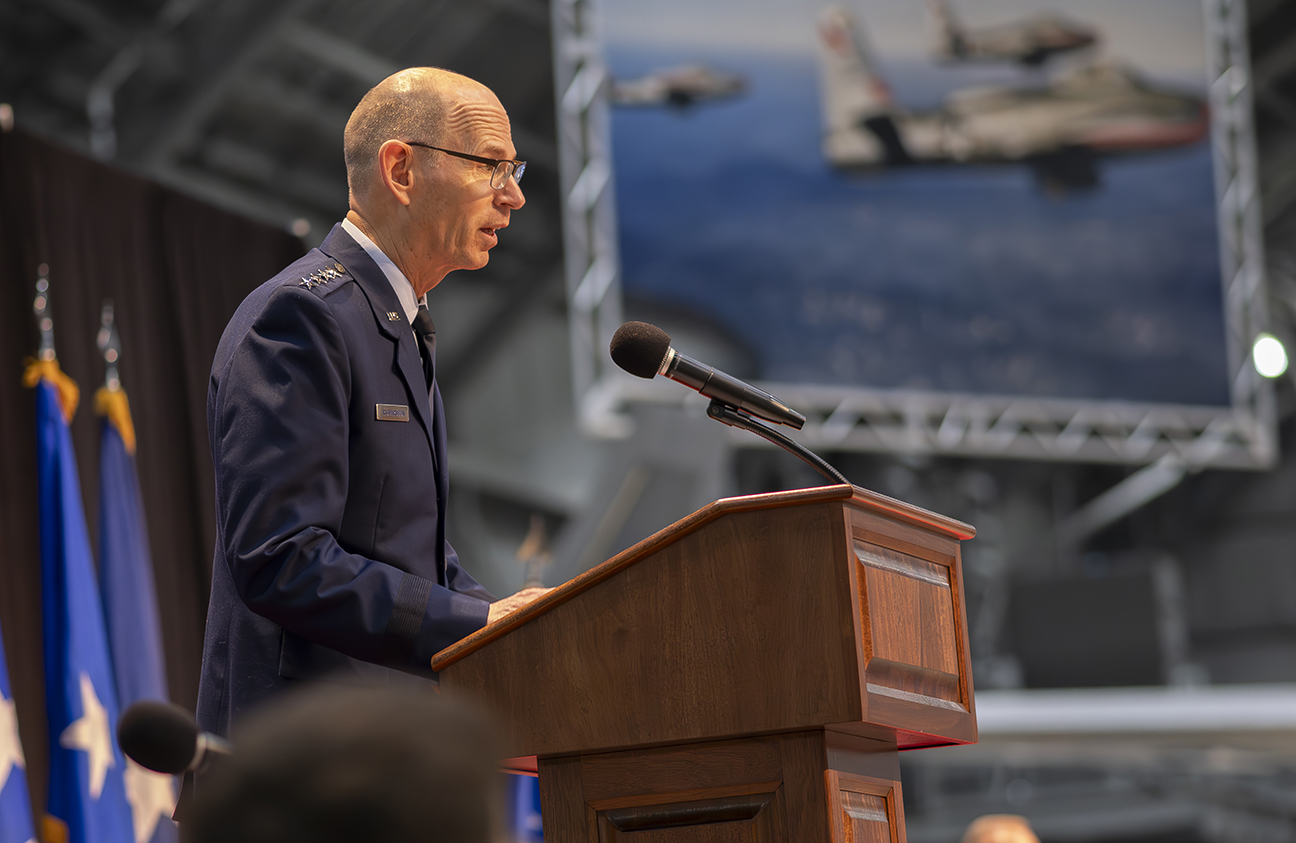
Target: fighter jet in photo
1030, 42
678, 87
1059, 128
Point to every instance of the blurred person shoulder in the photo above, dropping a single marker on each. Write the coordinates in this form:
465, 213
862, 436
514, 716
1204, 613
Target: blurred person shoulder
335, 763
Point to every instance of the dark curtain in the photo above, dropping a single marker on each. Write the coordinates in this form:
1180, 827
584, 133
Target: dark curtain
175, 269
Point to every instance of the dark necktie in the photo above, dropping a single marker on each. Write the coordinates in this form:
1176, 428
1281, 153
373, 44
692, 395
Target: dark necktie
426, 332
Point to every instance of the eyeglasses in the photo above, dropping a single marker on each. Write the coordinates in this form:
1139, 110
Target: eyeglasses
503, 168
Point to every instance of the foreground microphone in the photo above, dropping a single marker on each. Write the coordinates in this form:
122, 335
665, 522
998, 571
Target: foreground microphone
164, 738
644, 350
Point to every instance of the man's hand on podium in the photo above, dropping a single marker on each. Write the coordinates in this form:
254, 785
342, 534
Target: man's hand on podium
513, 602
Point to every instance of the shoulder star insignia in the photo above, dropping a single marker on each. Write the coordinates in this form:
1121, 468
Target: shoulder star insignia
91, 734
319, 277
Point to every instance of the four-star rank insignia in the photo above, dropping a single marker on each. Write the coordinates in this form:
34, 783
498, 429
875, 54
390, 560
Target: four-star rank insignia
321, 276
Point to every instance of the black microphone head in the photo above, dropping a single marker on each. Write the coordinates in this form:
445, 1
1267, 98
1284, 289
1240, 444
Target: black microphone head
639, 348
160, 736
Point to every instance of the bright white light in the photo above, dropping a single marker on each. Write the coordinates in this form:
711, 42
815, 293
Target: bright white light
1269, 355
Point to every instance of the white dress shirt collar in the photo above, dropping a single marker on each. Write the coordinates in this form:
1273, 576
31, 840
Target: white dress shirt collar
404, 289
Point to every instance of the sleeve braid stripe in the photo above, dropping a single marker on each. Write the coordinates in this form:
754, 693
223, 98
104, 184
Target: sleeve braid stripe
407, 614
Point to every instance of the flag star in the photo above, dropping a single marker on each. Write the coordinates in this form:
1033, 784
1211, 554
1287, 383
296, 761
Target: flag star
11, 754
92, 735
151, 796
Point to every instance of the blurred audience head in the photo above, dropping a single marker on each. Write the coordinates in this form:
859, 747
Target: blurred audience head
356, 765
999, 828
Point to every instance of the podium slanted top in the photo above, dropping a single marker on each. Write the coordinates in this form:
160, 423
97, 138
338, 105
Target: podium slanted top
828, 608
897, 510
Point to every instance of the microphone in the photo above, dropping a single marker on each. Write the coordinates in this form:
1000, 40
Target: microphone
644, 350
165, 739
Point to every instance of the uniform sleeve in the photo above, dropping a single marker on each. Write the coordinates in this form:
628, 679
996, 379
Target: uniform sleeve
280, 444
464, 595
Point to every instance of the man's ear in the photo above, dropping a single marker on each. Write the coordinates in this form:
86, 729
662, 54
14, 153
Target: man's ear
396, 169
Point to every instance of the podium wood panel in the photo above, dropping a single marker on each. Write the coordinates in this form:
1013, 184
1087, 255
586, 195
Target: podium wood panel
771, 788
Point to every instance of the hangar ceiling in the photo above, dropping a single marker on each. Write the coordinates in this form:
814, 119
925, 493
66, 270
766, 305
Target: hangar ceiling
243, 101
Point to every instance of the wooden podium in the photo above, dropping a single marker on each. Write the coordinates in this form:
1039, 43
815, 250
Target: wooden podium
748, 673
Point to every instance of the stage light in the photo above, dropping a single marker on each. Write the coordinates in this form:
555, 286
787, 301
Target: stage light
1269, 356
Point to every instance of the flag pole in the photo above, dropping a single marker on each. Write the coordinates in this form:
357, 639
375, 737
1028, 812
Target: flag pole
109, 345
43, 320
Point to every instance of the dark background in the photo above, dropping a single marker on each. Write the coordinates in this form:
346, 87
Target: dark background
175, 269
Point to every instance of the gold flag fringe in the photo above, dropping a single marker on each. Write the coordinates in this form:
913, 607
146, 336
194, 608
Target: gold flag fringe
68, 392
112, 404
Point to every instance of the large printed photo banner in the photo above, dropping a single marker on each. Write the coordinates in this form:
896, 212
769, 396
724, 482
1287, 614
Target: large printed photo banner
1007, 197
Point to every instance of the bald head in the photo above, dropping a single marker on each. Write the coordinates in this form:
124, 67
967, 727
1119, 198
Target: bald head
432, 211
413, 104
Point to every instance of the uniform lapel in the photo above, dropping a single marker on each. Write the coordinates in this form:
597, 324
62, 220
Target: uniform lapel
442, 470
342, 248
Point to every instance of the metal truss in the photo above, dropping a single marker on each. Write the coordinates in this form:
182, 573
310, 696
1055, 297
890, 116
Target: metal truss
581, 83
1242, 435
908, 422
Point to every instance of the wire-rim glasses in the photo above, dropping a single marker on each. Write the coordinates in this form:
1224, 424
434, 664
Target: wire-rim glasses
503, 167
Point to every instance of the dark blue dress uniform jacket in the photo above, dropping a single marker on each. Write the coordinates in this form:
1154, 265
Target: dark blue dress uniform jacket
331, 557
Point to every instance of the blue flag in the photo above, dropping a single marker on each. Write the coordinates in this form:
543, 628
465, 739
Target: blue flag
524, 809
15, 805
130, 606
86, 791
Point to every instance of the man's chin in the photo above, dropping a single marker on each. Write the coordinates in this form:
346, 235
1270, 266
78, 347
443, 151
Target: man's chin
470, 260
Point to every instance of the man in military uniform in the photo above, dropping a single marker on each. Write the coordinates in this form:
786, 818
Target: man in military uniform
326, 426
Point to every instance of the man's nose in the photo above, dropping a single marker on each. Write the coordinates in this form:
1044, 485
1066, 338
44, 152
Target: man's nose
510, 195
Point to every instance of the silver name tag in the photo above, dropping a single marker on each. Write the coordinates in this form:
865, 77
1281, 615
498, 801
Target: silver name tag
391, 412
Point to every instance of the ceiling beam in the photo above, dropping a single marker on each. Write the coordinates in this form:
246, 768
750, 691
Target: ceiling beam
293, 105
184, 131
337, 53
